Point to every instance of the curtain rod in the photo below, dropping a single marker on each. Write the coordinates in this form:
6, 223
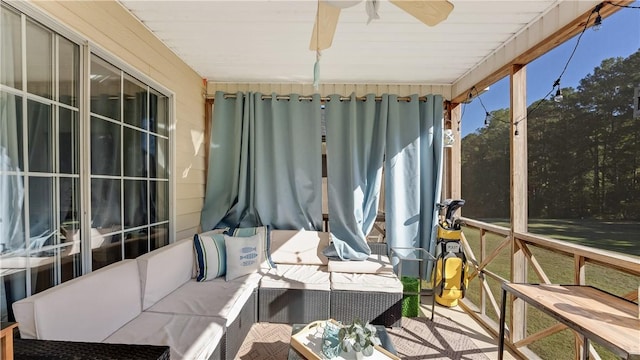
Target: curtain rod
322, 98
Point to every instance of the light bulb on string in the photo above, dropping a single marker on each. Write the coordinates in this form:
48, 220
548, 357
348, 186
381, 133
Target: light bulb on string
486, 118
597, 24
558, 96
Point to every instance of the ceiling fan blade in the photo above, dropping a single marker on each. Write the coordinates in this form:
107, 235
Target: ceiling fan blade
430, 12
324, 27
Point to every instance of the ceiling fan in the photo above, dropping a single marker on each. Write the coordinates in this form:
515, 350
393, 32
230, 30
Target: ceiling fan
430, 12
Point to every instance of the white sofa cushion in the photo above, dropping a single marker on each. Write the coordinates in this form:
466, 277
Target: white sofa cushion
88, 308
309, 277
189, 337
375, 264
212, 298
299, 247
164, 270
383, 282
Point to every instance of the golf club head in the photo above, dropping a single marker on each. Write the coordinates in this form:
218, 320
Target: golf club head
453, 206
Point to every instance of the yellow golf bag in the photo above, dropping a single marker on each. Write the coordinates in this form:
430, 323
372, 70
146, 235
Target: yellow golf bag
451, 269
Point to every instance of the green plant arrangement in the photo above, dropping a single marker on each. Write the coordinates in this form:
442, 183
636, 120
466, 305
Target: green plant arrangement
358, 337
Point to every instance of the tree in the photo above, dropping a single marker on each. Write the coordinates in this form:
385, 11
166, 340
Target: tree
584, 153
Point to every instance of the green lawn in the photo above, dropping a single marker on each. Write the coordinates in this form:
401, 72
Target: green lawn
621, 237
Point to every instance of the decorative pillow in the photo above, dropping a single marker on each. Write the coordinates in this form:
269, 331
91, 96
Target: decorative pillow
210, 256
265, 236
244, 255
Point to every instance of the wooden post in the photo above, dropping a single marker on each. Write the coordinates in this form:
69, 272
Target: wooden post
579, 271
518, 201
455, 152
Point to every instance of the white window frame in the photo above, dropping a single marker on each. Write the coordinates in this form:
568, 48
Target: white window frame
87, 47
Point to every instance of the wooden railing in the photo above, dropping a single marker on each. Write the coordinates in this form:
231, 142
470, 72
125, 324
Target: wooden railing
504, 241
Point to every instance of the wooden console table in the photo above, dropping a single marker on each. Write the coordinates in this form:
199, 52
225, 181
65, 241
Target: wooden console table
595, 314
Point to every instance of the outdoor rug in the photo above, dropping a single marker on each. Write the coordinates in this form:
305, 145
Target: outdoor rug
419, 338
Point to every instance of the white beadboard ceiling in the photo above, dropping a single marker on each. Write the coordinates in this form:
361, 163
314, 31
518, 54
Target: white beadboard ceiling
268, 41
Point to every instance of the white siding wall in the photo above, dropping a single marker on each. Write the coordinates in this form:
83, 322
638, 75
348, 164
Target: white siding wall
109, 26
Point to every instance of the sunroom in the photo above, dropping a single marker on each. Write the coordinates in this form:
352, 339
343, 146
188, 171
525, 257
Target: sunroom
109, 144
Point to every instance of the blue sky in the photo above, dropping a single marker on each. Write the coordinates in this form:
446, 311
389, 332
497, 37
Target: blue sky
619, 36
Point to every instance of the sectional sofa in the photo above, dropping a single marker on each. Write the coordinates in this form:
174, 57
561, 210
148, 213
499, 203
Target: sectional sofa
156, 299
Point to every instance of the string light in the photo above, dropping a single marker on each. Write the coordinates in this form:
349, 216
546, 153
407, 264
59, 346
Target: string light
620, 5
487, 116
598, 23
558, 97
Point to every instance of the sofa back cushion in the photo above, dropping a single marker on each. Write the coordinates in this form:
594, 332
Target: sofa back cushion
88, 308
299, 247
164, 270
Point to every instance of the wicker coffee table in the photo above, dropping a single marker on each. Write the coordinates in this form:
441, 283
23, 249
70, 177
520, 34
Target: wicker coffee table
381, 331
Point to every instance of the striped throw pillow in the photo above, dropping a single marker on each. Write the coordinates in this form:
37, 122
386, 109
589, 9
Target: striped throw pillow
210, 256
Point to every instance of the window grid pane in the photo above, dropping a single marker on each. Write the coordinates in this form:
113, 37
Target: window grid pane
135, 102
40, 137
68, 72
68, 141
105, 147
105, 89
135, 160
39, 60
11, 54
